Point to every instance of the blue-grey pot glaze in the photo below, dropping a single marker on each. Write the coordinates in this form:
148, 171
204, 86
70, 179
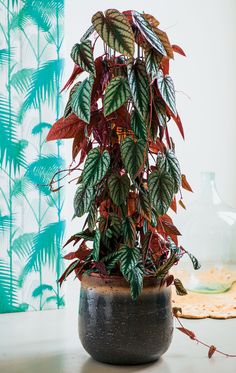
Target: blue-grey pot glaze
115, 329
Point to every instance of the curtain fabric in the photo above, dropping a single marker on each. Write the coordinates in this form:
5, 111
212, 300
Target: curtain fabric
31, 221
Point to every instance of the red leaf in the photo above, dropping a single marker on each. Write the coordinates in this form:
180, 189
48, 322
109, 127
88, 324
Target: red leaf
177, 121
212, 350
82, 252
165, 64
68, 271
168, 226
65, 128
182, 204
101, 79
77, 71
128, 14
79, 143
101, 268
120, 117
187, 332
173, 205
71, 239
178, 49
185, 184
168, 280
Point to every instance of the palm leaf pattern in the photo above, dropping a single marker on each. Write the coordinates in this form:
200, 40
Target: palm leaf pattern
8, 289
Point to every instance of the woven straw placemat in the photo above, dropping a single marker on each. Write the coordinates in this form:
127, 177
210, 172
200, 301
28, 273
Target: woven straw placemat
199, 306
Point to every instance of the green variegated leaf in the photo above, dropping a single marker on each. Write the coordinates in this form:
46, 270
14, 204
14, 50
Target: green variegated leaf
163, 270
196, 264
133, 155
180, 289
173, 168
96, 166
92, 216
161, 162
152, 60
129, 231
68, 108
135, 278
82, 55
87, 34
144, 206
146, 30
129, 258
82, 199
118, 188
81, 99
167, 90
161, 188
115, 30
96, 245
138, 125
117, 93
115, 226
139, 86
160, 108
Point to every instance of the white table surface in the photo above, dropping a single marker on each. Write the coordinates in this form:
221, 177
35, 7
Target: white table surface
47, 342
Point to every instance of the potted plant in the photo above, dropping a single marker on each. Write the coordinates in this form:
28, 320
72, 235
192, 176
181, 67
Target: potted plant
119, 117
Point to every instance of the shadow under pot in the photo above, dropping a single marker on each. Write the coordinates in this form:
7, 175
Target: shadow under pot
115, 329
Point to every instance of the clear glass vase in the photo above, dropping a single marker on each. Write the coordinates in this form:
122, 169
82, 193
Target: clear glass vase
209, 232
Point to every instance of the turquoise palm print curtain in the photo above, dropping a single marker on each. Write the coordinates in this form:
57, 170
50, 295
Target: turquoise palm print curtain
31, 222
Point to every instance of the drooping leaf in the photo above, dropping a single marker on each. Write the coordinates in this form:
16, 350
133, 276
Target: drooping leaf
165, 42
180, 290
96, 166
40, 290
116, 94
144, 206
138, 125
82, 55
139, 86
133, 155
22, 245
195, 262
161, 188
129, 231
65, 128
173, 168
92, 216
152, 60
146, 30
178, 49
115, 30
185, 184
187, 332
38, 128
118, 188
81, 99
82, 199
167, 90
96, 245
211, 351
128, 258
135, 277
20, 80
87, 34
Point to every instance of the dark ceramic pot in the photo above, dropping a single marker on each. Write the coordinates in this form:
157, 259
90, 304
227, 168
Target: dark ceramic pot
117, 330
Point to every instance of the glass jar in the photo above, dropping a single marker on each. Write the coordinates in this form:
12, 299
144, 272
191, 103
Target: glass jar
209, 233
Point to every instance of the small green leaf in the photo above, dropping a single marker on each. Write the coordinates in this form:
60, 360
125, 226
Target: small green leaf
152, 60
118, 188
133, 155
173, 168
135, 278
160, 108
92, 216
82, 199
81, 99
117, 93
161, 188
129, 231
129, 258
144, 206
96, 245
167, 90
115, 30
180, 289
196, 264
82, 55
139, 86
96, 166
138, 125
146, 30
